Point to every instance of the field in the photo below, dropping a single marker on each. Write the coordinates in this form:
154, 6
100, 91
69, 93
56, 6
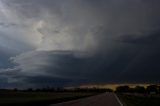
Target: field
140, 100
10, 98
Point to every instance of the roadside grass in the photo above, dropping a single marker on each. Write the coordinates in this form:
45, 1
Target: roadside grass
38, 98
139, 100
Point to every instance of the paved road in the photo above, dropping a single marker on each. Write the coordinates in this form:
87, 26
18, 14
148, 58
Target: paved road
106, 99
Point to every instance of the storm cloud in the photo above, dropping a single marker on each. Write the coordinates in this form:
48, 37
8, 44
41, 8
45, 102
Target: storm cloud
67, 42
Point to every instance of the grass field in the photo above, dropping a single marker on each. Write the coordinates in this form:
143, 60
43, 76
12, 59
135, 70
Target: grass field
37, 98
140, 100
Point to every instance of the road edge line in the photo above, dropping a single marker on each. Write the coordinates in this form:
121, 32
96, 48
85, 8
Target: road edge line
118, 100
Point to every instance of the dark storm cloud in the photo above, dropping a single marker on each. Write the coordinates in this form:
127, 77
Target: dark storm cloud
7, 24
78, 41
151, 38
4, 63
145, 65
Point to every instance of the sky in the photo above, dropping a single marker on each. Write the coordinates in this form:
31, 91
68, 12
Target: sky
72, 42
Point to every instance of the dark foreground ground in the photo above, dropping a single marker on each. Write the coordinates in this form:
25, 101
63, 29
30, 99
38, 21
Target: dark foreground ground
140, 99
38, 98
105, 99
11, 98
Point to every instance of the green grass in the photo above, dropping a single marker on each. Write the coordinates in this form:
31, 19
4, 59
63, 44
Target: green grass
140, 100
37, 98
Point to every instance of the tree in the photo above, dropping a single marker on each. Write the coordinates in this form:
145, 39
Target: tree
152, 89
30, 89
123, 89
139, 89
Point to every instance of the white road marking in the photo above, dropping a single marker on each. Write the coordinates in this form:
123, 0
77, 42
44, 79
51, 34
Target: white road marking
118, 100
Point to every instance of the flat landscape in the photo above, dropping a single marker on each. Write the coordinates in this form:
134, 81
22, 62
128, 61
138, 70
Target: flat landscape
140, 99
49, 98
11, 98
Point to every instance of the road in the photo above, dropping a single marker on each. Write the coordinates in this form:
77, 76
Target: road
106, 99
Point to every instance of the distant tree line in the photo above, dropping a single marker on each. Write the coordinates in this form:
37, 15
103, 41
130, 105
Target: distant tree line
151, 89
154, 89
52, 89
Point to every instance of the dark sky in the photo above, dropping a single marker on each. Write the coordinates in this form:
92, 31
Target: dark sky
72, 42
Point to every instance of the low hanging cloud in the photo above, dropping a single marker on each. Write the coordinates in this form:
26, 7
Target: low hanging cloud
56, 41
